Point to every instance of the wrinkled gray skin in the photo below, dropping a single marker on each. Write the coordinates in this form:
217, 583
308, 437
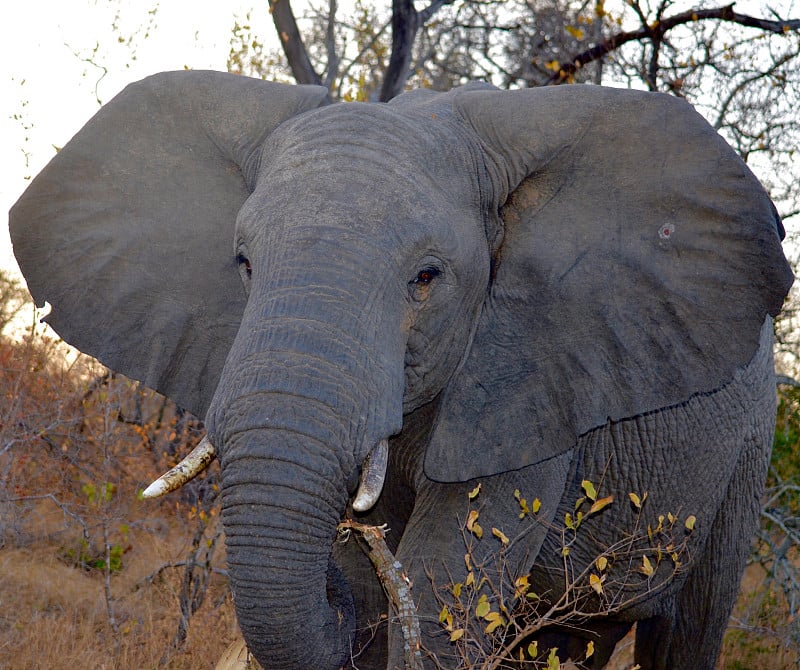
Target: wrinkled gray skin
523, 289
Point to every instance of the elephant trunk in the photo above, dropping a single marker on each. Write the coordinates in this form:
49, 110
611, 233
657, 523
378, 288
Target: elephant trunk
301, 403
293, 606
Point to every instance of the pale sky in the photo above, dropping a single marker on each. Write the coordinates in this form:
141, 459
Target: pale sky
48, 90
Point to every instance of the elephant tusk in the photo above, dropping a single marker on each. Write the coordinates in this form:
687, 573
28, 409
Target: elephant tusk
372, 475
198, 460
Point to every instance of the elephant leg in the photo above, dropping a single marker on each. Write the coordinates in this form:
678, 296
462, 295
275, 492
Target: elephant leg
689, 635
433, 547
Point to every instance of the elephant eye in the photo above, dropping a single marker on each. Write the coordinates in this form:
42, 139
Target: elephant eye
425, 277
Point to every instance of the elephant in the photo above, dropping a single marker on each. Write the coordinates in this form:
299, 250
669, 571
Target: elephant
562, 295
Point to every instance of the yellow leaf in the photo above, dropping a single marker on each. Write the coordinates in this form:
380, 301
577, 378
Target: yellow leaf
553, 65
521, 586
500, 536
552, 660
565, 551
670, 517
445, 617
577, 33
600, 504
602, 563
523, 504
637, 503
536, 505
472, 524
458, 633
494, 625
690, 522
495, 620
474, 493
579, 502
589, 649
568, 522
589, 490
470, 580
647, 566
457, 590
467, 561
533, 649
596, 583
482, 608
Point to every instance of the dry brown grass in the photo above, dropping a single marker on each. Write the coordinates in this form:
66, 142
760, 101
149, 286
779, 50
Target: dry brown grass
55, 616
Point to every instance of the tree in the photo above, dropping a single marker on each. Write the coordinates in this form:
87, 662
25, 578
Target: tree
741, 70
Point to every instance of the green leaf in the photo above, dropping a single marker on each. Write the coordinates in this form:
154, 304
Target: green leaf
552, 660
588, 489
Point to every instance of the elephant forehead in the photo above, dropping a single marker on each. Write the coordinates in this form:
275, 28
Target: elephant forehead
361, 144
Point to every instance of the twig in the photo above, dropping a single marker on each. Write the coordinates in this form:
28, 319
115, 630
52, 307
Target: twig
397, 586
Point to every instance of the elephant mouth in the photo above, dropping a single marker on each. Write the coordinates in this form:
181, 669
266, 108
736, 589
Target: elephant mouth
373, 473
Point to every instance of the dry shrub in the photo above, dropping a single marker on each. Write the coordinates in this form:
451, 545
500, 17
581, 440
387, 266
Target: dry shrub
93, 576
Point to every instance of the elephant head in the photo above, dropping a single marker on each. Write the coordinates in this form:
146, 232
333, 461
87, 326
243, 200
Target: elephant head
306, 276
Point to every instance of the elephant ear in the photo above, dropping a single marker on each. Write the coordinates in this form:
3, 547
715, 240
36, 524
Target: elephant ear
638, 262
128, 232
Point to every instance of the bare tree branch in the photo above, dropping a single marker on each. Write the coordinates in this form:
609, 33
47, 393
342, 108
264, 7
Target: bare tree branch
657, 31
405, 23
293, 45
330, 46
359, 56
427, 14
